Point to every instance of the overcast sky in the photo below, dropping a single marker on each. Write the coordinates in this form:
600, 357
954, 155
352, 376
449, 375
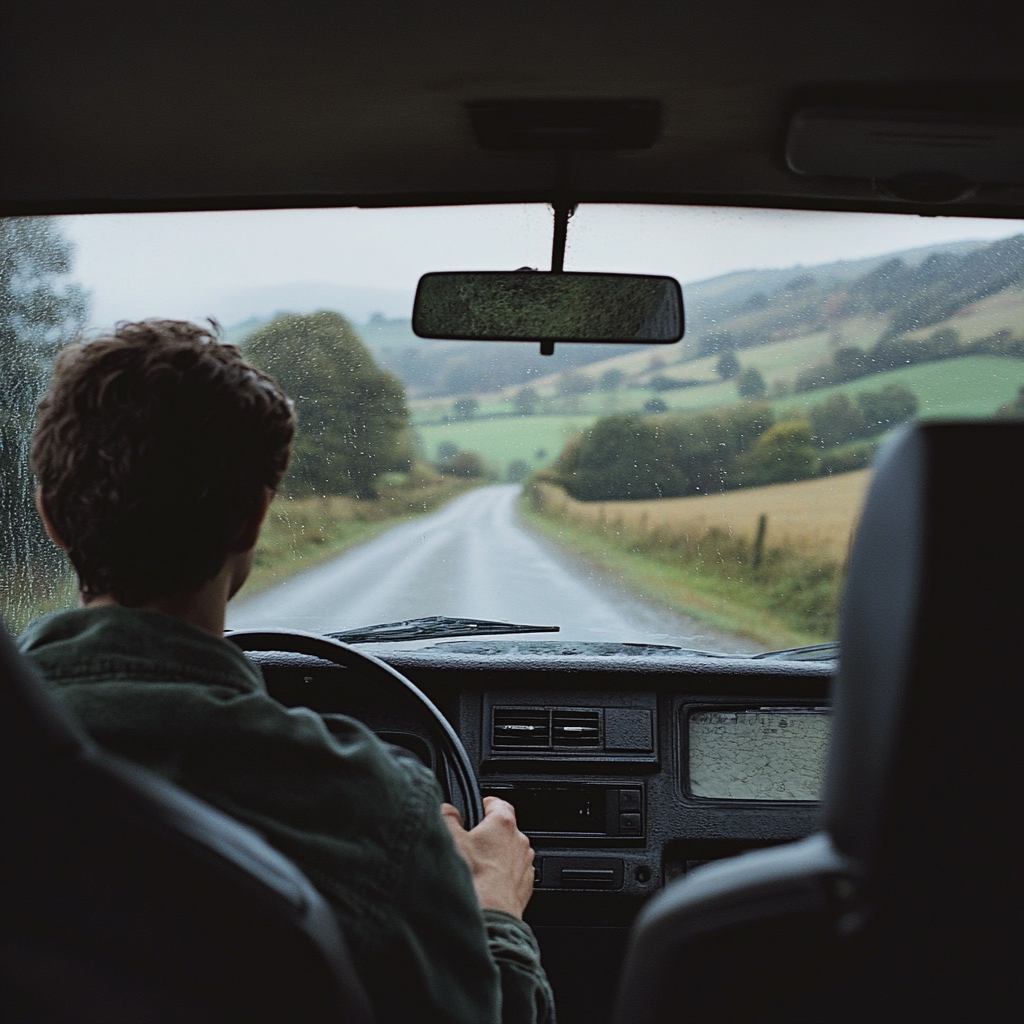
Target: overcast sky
237, 264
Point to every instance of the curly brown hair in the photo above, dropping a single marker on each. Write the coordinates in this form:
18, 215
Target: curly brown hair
152, 447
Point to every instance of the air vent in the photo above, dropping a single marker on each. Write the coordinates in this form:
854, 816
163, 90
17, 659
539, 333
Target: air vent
522, 727
580, 728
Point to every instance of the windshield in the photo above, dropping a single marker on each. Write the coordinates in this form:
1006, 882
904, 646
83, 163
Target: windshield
701, 495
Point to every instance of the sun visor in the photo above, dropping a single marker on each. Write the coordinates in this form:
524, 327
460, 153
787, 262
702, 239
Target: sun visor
907, 146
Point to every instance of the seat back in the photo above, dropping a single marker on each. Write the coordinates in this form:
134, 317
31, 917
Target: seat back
126, 899
906, 905
925, 766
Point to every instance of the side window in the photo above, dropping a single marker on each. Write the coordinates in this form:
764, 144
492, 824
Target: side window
40, 311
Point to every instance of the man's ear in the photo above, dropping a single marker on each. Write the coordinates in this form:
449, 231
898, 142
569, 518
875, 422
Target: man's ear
249, 534
53, 534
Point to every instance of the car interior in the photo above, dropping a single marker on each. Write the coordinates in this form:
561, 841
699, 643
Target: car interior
889, 889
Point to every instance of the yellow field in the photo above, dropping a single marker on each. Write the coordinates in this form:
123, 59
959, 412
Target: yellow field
816, 516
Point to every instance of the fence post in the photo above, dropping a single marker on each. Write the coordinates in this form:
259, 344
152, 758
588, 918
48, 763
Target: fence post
762, 527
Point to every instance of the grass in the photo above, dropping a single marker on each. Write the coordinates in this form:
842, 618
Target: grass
784, 596
970, 387
1004, 310
817, 515
303, 532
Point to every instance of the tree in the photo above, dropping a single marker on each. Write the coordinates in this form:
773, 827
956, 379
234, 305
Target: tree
465, 408
851, 362
728, 366
612, 378
39, 314
526, 400
885, 409
655, 405
620, 457
750, 383
517, 471
353, 422
836, 421
783, 453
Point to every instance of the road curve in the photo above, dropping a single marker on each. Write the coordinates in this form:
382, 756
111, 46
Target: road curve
472, 558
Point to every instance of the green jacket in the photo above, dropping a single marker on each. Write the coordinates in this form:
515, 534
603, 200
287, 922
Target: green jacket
364, 826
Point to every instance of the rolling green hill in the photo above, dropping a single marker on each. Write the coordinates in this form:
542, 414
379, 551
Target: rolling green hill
973, 387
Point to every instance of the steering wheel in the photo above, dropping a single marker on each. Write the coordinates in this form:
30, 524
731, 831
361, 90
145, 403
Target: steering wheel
454, 772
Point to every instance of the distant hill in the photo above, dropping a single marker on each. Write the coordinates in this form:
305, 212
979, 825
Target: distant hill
855, 301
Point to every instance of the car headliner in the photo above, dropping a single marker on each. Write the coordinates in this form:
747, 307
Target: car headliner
193, 105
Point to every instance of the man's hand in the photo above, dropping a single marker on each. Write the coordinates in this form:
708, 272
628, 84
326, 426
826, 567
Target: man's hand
499, 856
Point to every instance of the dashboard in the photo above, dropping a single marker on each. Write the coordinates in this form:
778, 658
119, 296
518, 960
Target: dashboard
627, 769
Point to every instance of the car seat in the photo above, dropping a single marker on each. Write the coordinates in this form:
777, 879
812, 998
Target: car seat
125, 898
906, 904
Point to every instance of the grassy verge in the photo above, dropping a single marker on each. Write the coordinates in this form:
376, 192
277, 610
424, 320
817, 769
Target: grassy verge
30, 591
303, 532
782, 596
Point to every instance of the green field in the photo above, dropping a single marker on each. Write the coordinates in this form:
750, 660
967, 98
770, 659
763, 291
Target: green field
501, 441
972, 386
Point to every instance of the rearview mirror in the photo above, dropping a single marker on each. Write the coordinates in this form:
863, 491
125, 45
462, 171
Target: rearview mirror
531, 305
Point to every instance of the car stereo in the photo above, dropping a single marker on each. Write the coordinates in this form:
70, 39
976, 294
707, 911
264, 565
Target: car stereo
575, 809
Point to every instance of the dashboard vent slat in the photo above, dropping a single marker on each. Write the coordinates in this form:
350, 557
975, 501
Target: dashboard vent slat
580, 728
521, 727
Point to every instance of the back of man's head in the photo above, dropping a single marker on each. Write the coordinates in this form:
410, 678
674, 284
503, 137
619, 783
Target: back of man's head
153, 446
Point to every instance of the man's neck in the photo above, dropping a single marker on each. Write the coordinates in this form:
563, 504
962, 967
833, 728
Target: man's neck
205, 607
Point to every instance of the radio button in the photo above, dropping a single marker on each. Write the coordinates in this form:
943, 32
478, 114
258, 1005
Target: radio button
629, 799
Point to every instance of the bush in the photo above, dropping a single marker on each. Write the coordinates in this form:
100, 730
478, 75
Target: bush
465, 464
727, 366
625, 456
782, 454
517, 471
750, 383
885, 409
619, 458
847, 459
655, 405
836, 421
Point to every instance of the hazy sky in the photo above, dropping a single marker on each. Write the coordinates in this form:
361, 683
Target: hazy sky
222, 264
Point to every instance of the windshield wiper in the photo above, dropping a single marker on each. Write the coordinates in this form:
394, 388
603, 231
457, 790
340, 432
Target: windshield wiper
813, 652
432, 626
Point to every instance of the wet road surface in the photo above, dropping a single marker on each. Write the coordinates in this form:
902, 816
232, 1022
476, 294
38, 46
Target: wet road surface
473, 558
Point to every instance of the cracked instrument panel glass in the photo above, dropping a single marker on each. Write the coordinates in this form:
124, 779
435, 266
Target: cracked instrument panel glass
757, 754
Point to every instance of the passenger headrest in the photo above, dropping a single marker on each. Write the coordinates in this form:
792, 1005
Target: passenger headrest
926, 738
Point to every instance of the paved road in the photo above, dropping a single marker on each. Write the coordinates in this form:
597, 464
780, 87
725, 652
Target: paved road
472, 558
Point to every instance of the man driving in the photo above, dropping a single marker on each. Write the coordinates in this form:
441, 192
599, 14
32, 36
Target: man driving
158, 450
